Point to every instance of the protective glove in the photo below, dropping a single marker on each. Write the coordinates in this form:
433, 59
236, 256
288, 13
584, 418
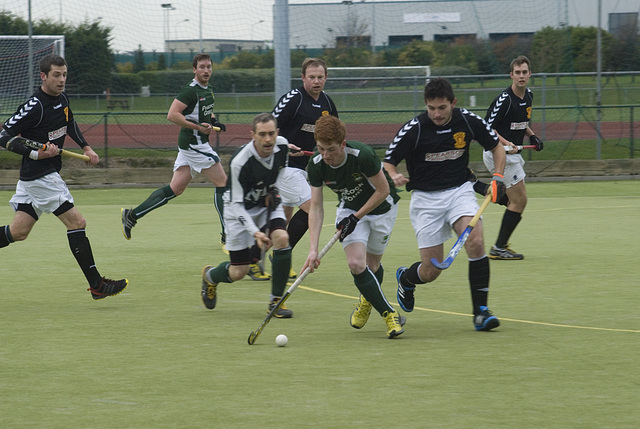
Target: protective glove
272, 200
534, 140
216, 123
498, 188
347, 225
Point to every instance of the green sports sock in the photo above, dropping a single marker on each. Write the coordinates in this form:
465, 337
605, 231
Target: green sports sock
280, 267
158, 198
369, 287
220, 274
219, 204
379, 274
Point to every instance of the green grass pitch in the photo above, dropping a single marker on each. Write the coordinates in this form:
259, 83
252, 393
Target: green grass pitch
565, 355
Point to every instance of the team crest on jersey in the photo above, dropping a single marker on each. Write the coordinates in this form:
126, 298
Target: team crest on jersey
357, 177
66, 113
459, 139
529, 112
325, 113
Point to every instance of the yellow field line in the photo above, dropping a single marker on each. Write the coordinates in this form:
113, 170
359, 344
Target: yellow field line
531, 322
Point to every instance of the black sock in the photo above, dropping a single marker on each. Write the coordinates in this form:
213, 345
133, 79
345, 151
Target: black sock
509, 222
479, 283
5, 236
81, 249
298, 225
411, 276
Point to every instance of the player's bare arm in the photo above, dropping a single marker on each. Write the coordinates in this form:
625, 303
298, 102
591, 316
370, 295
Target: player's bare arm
398, 178
175, 115
513, 148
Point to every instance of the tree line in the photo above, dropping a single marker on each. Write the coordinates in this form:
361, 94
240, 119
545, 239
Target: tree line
551, 50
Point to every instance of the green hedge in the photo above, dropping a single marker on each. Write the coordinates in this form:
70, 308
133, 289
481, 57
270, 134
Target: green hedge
163, 82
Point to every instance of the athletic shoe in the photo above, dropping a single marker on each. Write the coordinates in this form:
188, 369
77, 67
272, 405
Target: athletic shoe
485, 321
209, 295
257, 275
405, 293
361, 313
394, 325
283, 312
107, 287
504, 254
127, 222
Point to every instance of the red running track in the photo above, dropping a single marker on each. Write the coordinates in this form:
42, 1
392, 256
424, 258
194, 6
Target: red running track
165, 135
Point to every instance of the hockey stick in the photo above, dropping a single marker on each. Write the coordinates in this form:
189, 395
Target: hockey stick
529, 146
462, 239
254, 334
42, 146
304, 152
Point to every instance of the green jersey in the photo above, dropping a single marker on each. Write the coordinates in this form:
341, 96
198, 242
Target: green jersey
199, 101
350, 180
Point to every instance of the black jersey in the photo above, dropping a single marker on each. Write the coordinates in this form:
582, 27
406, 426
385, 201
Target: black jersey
509, 115
297, 113
251, 176
437, 157
42, 118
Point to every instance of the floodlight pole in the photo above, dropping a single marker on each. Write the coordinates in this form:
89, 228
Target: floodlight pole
598, 84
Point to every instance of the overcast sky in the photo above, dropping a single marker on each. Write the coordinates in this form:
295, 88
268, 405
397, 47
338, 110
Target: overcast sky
142, 22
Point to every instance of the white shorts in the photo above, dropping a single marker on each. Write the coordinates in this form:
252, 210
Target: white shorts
238, 238
45, 194
373, 231
198, 158
434, 213
293, 187
513, 169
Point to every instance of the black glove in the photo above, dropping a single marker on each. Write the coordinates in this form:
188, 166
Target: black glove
272, 200
347, 225
498, 188
216, 123
534, 140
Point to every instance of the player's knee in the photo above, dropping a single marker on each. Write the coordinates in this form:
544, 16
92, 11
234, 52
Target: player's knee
356, 266
280, 239
237, 272
428, 272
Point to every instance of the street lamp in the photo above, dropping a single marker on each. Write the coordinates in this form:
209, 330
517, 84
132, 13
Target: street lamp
176, 26
167, 8
253, 25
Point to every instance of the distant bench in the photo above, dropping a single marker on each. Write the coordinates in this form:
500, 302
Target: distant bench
123, 104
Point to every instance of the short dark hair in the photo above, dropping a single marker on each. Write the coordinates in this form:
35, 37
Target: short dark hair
51, 60
313, 62
261, 119
518, 61
200, 57
438, 88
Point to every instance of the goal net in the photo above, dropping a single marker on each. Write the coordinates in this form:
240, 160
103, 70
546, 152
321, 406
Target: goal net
19, 58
